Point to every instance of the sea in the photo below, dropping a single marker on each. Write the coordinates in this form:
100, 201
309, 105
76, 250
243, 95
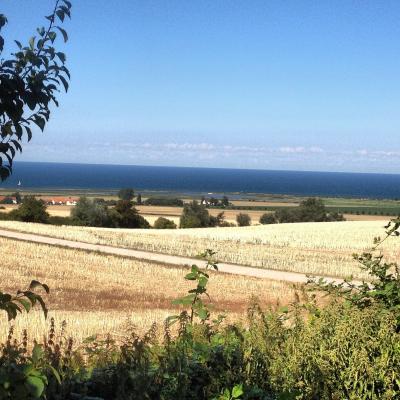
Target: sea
98, 177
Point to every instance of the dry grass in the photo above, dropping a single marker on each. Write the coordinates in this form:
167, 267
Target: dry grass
97, 293
314, 248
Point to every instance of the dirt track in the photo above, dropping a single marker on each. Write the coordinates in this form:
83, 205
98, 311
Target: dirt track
161, 258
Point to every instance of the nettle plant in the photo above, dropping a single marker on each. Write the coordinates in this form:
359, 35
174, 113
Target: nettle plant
383, 287
195, 297
30, 79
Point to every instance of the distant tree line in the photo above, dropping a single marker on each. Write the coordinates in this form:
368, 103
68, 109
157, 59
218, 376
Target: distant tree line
309, 210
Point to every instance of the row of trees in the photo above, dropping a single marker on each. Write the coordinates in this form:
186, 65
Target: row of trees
309, 210
86, 213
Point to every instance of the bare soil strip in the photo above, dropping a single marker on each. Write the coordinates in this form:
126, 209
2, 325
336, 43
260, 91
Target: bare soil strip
293, 277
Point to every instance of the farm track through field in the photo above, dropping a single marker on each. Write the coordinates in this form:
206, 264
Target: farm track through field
286, 276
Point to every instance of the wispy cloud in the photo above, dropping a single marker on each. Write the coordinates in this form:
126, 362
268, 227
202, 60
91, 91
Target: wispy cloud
219, 155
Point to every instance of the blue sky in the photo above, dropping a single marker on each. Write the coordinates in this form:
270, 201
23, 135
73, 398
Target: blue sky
309, 85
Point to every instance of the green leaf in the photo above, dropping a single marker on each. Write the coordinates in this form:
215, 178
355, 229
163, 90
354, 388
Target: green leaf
64, 33
55, 373
191, 276
186, 300
37, 353
32, 42
237, 391
25, 303
202, 314
64, 82
35, 386
203, 282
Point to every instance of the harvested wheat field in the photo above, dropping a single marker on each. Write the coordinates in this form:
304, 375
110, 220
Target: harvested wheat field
311, 248
96, 293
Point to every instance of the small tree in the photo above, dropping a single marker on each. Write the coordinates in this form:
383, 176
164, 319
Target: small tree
126, 194
139, 199
164, 223
124, 215
225, 201
31, 210
90, 213
194, 215
268, 218
243, 219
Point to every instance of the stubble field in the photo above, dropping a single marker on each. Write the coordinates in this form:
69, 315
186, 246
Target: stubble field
311, 248
100, 294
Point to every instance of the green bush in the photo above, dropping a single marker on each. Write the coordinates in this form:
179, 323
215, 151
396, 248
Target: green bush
164, 223
124, 215
164, 201
90, 213
194, 215
31, 210
243, 219
309, 210
267, 218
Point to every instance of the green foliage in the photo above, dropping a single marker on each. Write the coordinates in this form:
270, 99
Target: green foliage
124, 215
164, 223
163, 201
90, 213
95, 213
195, 215
309, 210
225, 201
31, 210
22, 377
267, 219
235, 393
243, 219
126, 194
23, 300
383, 287
139, 199
195, 296
29, 81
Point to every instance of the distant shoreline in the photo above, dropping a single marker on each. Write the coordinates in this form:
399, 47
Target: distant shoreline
189, 182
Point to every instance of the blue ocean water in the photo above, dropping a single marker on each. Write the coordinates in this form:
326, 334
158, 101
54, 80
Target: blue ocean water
202, 180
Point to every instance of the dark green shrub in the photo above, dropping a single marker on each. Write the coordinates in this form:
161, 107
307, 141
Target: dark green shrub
195, 215
164, 201
309, 210
126, 194
164, 223
268, 218
90, 213
124, 215
243, 219
58, 220
31, 210
4, 216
